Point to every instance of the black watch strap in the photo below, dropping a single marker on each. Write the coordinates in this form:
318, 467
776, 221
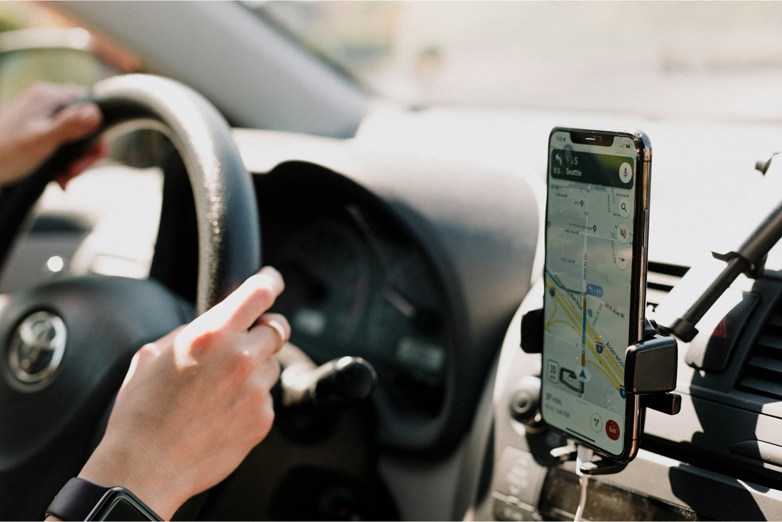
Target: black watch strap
76, 500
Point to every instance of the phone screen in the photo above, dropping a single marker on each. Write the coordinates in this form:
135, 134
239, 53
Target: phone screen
595, 272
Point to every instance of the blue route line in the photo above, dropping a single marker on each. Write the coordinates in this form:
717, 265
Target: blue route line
583, 321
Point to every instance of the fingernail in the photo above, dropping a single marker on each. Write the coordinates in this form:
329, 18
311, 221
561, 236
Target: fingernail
89, 113
275, 276
269, 270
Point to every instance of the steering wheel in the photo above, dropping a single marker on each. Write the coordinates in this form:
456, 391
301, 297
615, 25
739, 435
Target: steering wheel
66, 343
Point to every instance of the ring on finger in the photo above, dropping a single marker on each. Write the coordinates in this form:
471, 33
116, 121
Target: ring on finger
278, 328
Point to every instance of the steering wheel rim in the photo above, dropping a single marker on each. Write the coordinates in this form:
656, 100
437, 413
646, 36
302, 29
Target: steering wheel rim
229, 252
227, 215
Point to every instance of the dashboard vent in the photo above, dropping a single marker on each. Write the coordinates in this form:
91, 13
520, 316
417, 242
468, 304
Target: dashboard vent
660, 279
763, 371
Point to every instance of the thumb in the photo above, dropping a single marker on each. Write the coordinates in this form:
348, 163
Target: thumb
74, 122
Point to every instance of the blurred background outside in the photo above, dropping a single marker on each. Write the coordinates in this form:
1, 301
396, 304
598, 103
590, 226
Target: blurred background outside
719, 59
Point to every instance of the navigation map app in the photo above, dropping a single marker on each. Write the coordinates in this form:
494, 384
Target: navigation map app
589, 229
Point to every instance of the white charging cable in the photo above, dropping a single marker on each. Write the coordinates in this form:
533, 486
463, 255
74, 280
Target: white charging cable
583, 455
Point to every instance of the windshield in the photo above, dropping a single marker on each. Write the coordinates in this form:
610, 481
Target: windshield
718, 59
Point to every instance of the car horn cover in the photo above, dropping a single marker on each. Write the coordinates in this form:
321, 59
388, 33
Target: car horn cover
36, 349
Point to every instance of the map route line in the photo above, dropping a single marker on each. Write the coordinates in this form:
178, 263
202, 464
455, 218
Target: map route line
575, 314
570, 308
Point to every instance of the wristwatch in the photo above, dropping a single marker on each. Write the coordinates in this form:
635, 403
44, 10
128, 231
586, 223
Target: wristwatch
80, 499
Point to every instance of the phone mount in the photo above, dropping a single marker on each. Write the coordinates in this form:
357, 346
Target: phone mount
650, 373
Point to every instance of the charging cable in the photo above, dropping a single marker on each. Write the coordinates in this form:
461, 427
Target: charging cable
583, 455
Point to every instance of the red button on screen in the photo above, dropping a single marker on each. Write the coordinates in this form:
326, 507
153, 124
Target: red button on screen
612, 430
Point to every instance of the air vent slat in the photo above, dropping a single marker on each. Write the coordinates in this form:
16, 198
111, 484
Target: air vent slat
762, 386
762, 373
767, 365
775, 321
772, 343
660, 279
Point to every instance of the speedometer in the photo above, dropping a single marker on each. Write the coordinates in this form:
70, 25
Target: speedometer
326, 286
406, 335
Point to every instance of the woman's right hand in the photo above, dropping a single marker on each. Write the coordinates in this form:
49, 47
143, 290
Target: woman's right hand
196, 402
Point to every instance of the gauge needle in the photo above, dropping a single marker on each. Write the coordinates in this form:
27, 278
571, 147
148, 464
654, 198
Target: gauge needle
399, 302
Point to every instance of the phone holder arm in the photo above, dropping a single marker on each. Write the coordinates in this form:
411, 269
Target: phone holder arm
748, 259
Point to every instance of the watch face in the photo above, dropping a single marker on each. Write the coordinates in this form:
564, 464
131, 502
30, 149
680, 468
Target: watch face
119, 504
122, 509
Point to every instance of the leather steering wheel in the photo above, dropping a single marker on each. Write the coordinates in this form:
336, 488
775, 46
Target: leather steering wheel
66, 342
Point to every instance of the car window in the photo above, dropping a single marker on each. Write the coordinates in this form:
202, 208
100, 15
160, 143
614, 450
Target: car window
661, 58
39, 44
107, 220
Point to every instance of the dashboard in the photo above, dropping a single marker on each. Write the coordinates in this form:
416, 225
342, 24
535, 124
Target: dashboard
400, 277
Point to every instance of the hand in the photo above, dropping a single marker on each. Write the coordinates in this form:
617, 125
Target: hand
38, 123
196, 402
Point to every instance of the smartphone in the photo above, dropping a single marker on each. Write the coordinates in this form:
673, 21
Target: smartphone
597, 220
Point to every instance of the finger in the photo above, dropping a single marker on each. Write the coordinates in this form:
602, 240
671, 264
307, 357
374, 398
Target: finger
278, 323
268, 373
75, 122
54, 96
270, 333
242, 308
81, 164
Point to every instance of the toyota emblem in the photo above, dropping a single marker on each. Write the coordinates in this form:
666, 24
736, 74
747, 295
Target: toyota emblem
37, 348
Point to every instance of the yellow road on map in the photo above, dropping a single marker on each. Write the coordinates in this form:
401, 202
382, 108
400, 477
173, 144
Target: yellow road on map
572, 316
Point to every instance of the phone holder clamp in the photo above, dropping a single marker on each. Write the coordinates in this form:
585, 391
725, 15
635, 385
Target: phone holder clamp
650, 373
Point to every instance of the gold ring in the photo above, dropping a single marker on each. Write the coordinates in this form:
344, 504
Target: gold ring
277, 327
